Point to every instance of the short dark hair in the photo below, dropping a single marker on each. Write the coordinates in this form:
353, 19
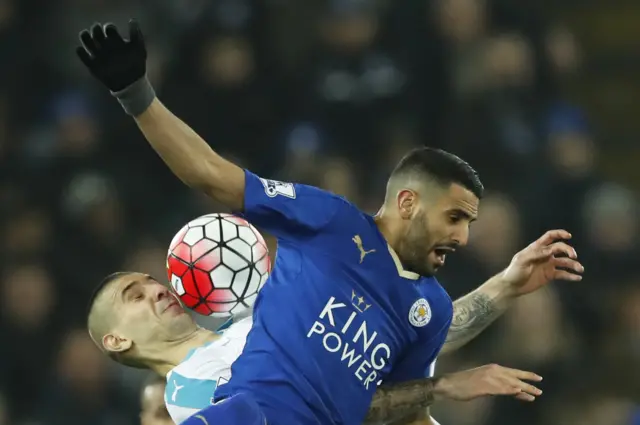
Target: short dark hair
103, 283
443, 167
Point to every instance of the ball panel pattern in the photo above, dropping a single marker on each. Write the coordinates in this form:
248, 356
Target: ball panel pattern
217, 263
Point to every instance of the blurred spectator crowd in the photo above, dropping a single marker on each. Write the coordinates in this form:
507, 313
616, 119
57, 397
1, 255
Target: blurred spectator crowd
326, 92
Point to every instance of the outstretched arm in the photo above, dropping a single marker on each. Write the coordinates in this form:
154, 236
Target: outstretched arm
475, 311
190, 158
547, 259
120, 64
398, 401
421, 417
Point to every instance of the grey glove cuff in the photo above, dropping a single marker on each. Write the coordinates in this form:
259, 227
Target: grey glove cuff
136, 98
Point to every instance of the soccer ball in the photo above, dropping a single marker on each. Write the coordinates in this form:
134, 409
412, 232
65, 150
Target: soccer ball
217, 263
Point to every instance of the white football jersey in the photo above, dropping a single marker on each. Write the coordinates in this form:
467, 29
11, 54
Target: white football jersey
191, 384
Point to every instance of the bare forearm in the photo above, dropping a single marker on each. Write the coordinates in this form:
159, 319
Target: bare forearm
419, 417
475, 311
400, 400
190, 158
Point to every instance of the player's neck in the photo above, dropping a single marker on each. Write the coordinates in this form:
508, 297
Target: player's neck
387, 227
174, 352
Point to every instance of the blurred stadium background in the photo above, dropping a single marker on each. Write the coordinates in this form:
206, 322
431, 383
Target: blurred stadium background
540, 96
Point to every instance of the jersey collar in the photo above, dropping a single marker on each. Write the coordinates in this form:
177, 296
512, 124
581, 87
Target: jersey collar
401, 271
406, 274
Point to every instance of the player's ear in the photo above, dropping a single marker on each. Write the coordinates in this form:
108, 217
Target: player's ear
116, 344
407, 202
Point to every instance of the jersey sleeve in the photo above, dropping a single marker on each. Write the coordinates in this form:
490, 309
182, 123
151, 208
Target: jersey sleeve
419, 362
288, 210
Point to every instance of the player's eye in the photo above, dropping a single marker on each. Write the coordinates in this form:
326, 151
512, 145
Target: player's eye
455, 218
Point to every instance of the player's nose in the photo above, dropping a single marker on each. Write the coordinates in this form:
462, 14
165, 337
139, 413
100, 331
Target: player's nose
461, 236
160, 293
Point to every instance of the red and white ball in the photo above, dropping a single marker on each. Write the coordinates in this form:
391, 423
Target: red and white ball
217, 263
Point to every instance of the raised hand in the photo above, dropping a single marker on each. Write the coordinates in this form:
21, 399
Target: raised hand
547, 259
116, 62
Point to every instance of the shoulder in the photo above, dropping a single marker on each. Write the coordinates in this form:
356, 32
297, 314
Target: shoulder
239, 328
285, 190
434, 305
189, 392
289, 209
430, 288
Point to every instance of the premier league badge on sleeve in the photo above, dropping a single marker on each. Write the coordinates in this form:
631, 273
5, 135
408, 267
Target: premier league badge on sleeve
274, 188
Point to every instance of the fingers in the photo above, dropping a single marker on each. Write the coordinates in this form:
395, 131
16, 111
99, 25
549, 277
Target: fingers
505, 389
524, 375
84, 56
526, 391
539, 253
500, 380
561, 248
135, 33
551, 236
97, 33
113, 36
99, 37
568, 264
88, 42
565, 275
507, 381
525, 397
526, 388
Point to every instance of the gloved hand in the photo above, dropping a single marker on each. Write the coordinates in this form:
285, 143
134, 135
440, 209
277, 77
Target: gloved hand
119, 64
116, 62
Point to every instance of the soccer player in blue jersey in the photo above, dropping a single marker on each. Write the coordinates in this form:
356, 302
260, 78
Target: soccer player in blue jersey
352, 304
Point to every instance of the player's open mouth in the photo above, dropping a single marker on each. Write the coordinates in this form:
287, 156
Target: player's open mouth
441, 254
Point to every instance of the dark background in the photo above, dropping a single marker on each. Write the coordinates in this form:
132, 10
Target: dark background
542, 97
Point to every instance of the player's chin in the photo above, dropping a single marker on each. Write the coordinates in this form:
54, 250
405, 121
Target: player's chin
434, 263
426, 269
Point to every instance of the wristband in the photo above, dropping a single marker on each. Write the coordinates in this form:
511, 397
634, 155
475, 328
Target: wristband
136, 98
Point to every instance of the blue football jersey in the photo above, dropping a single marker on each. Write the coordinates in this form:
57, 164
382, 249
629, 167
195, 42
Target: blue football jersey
338, 315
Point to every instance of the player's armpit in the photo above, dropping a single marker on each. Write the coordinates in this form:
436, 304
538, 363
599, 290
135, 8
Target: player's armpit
190, 158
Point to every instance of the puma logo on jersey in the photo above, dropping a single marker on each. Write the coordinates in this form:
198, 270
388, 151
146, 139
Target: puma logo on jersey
363, 253
175, 391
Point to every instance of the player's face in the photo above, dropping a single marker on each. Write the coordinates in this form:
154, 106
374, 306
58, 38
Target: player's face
438, 228
154, 411
148, 313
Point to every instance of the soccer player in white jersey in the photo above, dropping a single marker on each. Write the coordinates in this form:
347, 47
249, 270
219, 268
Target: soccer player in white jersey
138, 322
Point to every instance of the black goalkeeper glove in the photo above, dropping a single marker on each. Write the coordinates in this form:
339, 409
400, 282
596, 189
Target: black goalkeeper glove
119, 64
